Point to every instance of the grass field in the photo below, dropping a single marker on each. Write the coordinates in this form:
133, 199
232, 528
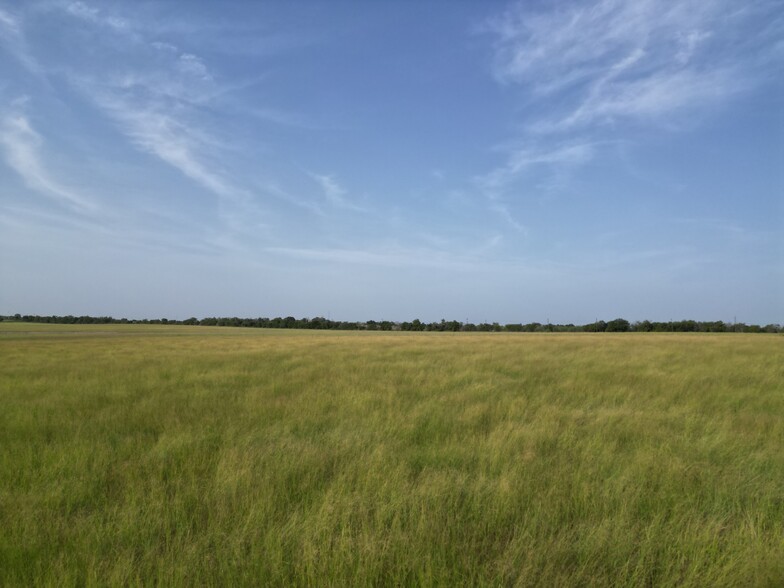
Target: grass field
217, 456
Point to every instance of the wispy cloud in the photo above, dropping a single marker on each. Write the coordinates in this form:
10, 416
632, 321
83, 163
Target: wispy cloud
503, 211
334, 193
585, 71
557, 160
13, 38
525, 158
614, 59
157, 106
22, 150
9, 25
278, 192
96, 16
386, 258
731, 229
168, 138
657, 95
436, 251
283, 118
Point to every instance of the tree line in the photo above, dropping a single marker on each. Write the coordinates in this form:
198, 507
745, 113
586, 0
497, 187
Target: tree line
618, 325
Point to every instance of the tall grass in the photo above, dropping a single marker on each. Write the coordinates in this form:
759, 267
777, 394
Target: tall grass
197, 456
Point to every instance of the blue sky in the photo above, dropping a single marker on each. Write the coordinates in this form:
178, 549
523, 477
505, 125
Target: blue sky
480, 161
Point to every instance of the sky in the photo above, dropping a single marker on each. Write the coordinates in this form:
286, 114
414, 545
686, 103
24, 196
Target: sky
473, 161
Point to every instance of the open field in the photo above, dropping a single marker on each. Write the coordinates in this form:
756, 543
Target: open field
217, 456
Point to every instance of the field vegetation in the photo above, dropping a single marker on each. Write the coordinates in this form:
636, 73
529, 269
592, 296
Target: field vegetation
191, 455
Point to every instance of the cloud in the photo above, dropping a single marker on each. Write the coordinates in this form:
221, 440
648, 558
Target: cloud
93, 15
438, 253
523, 159
688, 43
581, 40
387, 258
22, 147
13, 37
156, 105
81, 10
164, 46
334, 193
617, 59
9, 23
276, 191
648, 98
161, 96
503, 210
278, 116
166, 137
192, 65
587, 72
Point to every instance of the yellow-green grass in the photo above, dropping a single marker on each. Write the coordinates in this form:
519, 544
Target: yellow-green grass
216, 456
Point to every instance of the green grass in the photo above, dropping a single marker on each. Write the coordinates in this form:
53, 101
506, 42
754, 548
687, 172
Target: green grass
217, 456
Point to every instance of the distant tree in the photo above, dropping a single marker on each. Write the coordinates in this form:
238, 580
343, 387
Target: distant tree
597, 327
618, 325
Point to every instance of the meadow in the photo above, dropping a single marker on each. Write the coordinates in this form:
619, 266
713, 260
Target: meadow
185, 456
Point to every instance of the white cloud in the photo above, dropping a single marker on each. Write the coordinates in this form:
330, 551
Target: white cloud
22, 147
278, 192
8, 22
192, 65
156, 106
584, 38
503, 210
12, 36
688, 44
618, 59
387, 258
521, 160
90, 14
163, 99
163, 46
647, 98
438, 253
160, 134
585, 71
81, 10
334, 193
